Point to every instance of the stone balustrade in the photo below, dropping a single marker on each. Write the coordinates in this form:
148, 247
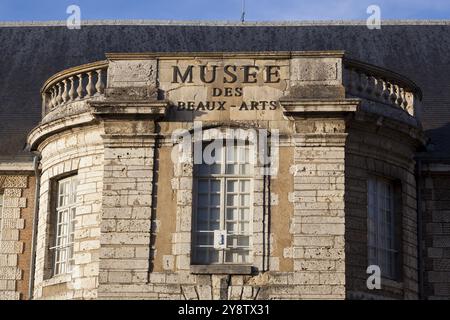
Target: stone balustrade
74, 84
380, 85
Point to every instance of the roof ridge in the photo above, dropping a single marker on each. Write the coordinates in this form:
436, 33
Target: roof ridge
51, 23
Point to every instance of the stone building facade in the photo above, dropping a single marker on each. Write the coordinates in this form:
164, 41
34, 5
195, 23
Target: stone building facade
319, 171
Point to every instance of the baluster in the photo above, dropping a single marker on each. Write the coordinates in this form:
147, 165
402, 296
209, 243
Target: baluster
59, 96
65, 95
55, 94
378, 91
99, 86
405, 99
360, 84
90, 86
72, 89
394, 91
51, 102
386, 90
80, 91
370, 84
45, 102
400, 96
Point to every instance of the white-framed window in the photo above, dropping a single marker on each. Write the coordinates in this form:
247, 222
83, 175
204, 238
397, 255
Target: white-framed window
223, 206
382, 246
64, 225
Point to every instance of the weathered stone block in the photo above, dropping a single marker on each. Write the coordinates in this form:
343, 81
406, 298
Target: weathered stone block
135, 73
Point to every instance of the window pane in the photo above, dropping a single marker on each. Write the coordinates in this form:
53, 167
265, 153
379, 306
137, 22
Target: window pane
201, 255
231, 154
215, 214
215, 225
215, 186
214, 168
202, 214
232, 200
245, 200
245, 214
243, 241
204, 238
232, 214
202, 169
244, 169
215, 200
213, 255
202, 225
244, 186
203, 200
237, 256
203, 186
231, 228
244, 227
232, 186
232, 169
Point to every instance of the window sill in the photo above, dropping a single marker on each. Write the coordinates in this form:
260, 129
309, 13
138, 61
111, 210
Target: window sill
221, 269
58, 279
391, 283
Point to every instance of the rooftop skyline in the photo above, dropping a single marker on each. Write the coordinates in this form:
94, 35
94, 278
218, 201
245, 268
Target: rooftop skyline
230, 10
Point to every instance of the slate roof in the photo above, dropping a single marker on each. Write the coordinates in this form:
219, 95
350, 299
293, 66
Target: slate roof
32, 52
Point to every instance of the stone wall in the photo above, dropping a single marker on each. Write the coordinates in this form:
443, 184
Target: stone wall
126, 210
382, 151
318, 222
15, 234
435, 209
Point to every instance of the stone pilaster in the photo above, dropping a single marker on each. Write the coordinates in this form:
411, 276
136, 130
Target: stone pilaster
318, 223
126, 206
317, 106
128, 116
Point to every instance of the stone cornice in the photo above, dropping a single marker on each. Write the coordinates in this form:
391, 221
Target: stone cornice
320, 139
223, 54
300, 107
150, 109
16, 166
129, 140
42, 131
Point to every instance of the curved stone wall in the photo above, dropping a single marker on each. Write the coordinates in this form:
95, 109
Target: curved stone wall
75, 151
380, 147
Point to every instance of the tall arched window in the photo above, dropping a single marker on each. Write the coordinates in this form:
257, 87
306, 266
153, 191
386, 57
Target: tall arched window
222, 224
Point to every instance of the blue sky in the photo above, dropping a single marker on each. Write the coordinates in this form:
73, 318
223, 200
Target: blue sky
257, 10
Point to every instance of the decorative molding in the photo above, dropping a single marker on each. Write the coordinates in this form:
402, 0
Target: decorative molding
152, 109
300, 107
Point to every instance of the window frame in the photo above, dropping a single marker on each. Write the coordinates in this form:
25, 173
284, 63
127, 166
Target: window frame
223, 178
54, 221
393, 253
